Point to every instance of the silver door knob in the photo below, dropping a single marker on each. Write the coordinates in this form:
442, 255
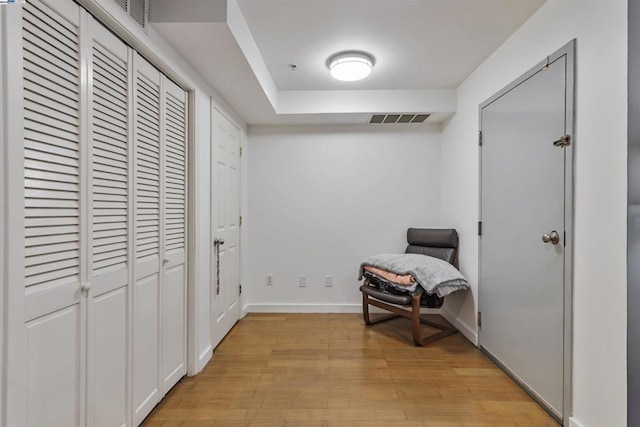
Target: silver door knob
552, 237
85, 287
165, 261
218, 242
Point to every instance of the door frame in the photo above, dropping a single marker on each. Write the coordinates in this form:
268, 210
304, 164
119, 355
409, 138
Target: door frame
568, 51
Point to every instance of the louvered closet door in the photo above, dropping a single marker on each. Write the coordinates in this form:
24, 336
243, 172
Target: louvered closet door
109, 201
54, 255
147, 292
174, 284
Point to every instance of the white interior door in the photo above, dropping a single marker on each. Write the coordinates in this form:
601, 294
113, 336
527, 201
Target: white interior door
524, 199
55, 255
147, 292
225, 209
109, 200
174, 292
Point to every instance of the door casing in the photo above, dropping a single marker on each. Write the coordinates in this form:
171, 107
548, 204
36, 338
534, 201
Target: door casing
568, 50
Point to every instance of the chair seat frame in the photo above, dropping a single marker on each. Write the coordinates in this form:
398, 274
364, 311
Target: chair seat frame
413, 314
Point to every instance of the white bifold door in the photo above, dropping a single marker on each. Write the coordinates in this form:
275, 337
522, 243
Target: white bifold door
159, 297
105, 224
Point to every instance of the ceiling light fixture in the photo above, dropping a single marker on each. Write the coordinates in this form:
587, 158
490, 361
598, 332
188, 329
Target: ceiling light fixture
350, 66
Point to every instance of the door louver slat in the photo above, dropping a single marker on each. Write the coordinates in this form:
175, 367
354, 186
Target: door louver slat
52, 138
110, 172
147, 166
175, 140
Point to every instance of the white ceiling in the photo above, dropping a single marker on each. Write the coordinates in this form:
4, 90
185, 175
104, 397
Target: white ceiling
423, 50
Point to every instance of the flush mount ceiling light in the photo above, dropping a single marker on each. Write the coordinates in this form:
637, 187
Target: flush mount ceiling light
350, 66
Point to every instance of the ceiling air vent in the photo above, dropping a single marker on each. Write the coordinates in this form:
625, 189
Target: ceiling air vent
137, 9
123, 3
398, 118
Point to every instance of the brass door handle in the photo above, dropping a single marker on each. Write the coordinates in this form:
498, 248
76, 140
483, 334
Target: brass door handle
552, 237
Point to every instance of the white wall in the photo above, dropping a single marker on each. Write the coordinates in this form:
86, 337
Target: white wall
322, 198
600, 26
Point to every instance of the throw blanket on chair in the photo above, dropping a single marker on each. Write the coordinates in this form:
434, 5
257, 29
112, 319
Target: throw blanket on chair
434, 275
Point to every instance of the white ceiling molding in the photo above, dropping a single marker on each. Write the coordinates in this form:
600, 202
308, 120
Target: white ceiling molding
370, 101
244, 38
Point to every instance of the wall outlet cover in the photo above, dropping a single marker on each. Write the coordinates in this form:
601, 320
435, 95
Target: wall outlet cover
302, 281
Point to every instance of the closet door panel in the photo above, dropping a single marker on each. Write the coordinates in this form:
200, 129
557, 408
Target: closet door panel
147, 293
173, 328
109, 150
53, 377
146, 319
54, 257
174, 192
109, 344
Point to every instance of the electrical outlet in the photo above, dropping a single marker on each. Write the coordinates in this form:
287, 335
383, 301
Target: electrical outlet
302, 281
269, 280
328, 281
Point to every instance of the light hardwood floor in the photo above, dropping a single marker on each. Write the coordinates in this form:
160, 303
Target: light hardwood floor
331, 370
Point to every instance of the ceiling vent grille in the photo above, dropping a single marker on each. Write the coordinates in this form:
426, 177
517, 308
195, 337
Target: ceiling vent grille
123, 4
398, 118
137, 9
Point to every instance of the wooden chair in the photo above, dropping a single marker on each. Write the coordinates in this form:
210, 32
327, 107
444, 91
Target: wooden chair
438, 243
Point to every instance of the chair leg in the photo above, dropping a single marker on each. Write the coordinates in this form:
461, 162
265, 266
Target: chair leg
365, 308
415, 319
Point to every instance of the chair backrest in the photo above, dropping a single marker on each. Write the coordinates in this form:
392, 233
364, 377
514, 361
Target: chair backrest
436, 242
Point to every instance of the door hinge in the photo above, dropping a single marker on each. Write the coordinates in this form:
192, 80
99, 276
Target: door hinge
479, 228
479, 318
564, 141
239, 289
240, 220
240, 151
480, 138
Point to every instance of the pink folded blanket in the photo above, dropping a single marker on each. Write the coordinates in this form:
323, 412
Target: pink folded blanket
406, 279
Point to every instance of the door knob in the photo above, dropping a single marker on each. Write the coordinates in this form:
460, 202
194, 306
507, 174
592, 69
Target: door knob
165, 261
217, 242
85, 287
552, 237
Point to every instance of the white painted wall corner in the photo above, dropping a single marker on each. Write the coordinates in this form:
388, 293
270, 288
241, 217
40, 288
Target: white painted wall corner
461, 326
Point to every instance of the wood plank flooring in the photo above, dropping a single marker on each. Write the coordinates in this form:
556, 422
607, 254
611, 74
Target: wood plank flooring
331, 370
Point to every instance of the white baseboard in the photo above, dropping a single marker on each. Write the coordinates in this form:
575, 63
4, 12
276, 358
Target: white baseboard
204, 358
302, 308
575, 423
464, 329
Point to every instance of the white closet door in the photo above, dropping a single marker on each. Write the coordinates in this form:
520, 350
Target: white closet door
225, 216
174, 284
54, 255
108, 394
146, 295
